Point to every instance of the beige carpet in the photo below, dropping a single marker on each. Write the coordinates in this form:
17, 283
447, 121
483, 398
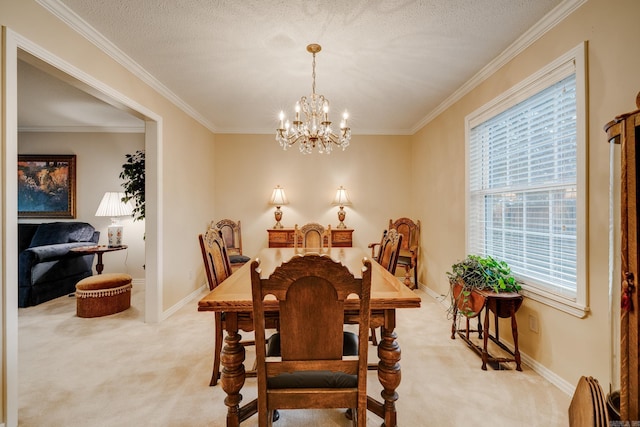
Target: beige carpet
118, 371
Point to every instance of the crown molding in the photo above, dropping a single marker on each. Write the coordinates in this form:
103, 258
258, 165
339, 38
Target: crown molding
549, 21
66, 15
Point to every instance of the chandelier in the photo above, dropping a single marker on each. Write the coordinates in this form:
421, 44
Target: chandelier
315, 131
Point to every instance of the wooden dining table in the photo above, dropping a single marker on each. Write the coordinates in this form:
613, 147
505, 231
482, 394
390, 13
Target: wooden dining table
233, 297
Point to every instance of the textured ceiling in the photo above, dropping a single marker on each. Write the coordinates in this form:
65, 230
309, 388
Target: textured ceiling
236, 64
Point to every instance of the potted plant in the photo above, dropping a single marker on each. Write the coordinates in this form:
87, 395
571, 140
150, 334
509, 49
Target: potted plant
133, 173
479, 273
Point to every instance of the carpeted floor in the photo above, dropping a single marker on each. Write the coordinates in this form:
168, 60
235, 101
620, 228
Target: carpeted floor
118, 371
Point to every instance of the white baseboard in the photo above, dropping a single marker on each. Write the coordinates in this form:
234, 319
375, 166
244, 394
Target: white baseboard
137, 283
186, 300
537, 367
140, 284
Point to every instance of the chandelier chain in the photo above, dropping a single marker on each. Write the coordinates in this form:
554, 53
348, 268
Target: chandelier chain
313, 75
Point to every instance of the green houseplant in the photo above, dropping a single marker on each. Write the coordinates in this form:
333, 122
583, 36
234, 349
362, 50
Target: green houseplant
133, 174
479, 273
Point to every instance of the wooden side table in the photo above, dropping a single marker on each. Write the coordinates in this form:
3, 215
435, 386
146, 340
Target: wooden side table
98, 250
502, 305
284, 237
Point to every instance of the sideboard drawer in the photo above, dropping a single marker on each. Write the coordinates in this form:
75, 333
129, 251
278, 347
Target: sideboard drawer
341, 238
280, 237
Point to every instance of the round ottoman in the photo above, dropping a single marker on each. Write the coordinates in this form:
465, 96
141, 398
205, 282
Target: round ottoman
103, 294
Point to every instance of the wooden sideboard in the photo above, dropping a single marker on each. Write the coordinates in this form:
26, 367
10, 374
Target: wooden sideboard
283, 237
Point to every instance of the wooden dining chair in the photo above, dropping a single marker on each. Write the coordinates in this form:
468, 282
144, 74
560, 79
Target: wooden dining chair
387, 256
588, 406
307, 370
217, 269
232, 235
312, 236
408, 257
389, 250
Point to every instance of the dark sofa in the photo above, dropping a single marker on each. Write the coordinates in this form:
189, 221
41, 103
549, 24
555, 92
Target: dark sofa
46, 268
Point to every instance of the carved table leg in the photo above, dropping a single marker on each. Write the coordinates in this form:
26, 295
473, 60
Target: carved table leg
233, 374
389, 368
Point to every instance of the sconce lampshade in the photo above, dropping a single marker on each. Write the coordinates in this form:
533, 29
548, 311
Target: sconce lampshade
112, 206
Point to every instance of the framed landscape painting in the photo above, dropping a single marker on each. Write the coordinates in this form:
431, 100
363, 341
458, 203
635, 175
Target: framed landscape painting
46, 186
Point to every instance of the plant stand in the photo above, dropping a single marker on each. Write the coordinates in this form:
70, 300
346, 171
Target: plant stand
502, 305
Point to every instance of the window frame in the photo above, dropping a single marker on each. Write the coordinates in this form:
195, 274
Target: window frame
574, 61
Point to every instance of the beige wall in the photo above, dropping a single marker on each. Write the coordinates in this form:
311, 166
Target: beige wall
374, 170
99, 159
565, 345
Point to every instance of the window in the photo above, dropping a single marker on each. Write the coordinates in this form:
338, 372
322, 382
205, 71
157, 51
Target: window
526, 192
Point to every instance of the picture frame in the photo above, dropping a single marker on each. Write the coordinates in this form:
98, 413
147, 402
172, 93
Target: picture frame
46, 186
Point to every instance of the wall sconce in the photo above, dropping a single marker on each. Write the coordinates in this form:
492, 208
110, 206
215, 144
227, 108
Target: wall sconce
342, 199
113, 206
278, 198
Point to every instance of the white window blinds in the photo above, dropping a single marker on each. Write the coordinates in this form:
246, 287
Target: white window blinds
522, 187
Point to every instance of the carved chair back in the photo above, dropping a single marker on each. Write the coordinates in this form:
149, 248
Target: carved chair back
215, 257
312, 236
232, 235
390, 250
410, 232
311, 290
408, 257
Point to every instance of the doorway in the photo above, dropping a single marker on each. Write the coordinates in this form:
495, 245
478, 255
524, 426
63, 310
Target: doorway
18, 48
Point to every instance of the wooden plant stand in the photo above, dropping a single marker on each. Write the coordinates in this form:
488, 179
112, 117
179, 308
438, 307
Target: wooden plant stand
502, 305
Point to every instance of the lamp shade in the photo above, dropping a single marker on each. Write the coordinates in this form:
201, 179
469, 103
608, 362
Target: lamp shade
342, 197
278, 198
113, 206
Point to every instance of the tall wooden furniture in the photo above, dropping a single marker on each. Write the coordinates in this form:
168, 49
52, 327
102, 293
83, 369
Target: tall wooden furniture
625, 130
232, 235
284, 237
217, 269
309, 371
233, 297
409, 251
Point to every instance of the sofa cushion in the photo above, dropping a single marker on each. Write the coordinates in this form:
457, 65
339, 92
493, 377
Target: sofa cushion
62, 232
